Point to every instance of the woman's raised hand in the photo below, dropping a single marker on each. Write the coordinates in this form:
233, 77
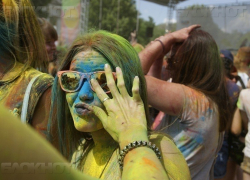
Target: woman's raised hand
182, 34
124, 118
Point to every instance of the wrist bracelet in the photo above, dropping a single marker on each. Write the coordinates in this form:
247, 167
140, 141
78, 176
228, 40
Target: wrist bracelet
134, 145
163, 47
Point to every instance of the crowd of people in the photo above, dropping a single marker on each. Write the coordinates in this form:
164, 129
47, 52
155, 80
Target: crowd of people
92, 111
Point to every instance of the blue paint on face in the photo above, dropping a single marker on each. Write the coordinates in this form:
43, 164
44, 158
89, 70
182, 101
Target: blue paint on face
84, 120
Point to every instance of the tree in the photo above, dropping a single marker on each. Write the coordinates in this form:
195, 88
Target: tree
127, 16
145, 28
160, 30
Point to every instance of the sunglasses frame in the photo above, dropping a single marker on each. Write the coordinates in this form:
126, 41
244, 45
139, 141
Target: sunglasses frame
82, 77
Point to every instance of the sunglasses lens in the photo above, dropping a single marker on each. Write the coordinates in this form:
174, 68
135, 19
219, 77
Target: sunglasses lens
70, 81
101, 79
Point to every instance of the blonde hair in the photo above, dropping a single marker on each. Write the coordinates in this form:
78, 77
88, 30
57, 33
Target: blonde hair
241, 57
21, 35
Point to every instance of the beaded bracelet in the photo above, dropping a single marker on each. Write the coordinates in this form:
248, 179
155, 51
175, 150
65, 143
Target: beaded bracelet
134, 145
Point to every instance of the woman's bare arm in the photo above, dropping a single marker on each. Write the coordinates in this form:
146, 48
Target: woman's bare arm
41, 113
41, 117
245, 119
165, 96
236, 126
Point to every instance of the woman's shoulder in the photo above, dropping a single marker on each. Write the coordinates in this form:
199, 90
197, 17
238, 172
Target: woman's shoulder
40, 81
191, 91
31, 73
194, 96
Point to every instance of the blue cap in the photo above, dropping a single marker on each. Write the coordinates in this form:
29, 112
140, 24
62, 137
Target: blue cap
227, 54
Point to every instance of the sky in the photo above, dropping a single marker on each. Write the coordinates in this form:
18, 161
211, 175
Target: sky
160, 13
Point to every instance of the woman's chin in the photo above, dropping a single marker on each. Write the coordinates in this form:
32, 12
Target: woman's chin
88, 125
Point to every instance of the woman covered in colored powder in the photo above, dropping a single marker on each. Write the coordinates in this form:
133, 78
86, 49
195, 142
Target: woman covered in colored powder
21, 48
80, 101
36, 159
196, 103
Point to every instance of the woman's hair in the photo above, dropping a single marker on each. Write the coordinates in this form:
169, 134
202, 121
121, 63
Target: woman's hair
118, 52
20, 34
48, 30
242, 58
197, 64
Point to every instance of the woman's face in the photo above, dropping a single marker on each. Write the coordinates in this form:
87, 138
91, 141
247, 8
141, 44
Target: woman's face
85, 120
51, 48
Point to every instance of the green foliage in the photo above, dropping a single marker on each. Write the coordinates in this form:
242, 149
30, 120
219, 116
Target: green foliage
196, 6
127, 19
127, 16
160, 30
142, 36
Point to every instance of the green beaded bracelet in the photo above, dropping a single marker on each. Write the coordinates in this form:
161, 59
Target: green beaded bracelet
134, 145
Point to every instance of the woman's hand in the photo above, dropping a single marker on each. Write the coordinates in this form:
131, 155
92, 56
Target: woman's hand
182, 34
124, 118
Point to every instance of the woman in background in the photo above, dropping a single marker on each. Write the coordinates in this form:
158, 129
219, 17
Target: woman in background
50, 37
22, 54
196, 100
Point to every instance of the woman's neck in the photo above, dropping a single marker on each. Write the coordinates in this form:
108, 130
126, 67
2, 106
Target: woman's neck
103, 140
104, 147
98, 158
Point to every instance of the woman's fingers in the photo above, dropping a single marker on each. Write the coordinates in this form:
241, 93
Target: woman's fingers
99, 92
136, 89
99, 113
183, 34
120, 82
190, 28
110, 80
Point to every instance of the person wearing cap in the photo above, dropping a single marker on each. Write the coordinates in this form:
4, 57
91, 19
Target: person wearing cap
224, 167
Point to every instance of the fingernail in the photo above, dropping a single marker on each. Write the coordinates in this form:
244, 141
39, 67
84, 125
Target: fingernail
118, 69
106, 66
92, 81
136, 77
